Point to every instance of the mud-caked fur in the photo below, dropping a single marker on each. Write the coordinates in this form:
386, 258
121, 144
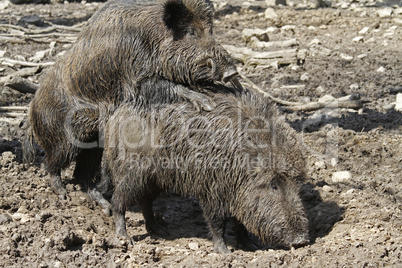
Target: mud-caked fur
126, 43
240, 160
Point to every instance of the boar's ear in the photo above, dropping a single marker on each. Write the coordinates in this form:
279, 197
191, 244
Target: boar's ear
176, 17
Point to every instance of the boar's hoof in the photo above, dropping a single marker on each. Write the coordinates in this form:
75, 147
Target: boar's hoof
58, 188
248, 244
220, 247
96, 196
202, 102
157, 229
118, 241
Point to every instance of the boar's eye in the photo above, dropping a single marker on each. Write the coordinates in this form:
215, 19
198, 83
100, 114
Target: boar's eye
274, 185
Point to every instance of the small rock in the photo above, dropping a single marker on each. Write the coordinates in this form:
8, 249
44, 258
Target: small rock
33, 19
21, 217
315, 41
398, 104
193, 245
233, 33
270, 14
2, 53
20, 57
246, 5
364, 30
320, 90
305, 77
4, 4
316, 4
389, 106
305, 99
288, 27
392, 28
354, 86
334, 162
38, 56
262, 35
320, 164
326, 98
346, 57
397, 21
295, 68
61, 53
344, 5
5, 218
341, 176
381, 70
358, 39
327, 188
361, 56
384, 12
350, 191
272, 3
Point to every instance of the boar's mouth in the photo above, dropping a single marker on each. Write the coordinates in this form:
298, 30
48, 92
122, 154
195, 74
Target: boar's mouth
229, 75
296, 242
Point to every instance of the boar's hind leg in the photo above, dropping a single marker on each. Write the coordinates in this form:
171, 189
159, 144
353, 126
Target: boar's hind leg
150, 222
57, 185
87, 173
123, 197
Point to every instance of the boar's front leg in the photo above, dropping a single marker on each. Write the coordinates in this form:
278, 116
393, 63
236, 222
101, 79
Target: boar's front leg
217, 225
199, 100
243, 239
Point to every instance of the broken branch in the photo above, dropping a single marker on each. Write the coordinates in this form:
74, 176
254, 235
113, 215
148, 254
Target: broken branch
11, 62
22, 85
345, 102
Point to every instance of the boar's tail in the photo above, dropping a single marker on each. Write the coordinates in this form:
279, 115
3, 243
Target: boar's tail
28, 147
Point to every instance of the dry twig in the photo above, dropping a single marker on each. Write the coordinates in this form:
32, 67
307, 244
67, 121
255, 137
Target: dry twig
344, 102
14, 109
11, 62
22, 85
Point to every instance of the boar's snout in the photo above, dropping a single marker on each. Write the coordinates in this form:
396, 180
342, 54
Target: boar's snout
229, 75
300, 240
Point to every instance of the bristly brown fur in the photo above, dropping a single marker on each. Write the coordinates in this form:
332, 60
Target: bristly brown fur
125, 44
261, 195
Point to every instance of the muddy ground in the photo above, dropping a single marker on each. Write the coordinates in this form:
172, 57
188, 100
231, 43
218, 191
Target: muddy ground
355, 220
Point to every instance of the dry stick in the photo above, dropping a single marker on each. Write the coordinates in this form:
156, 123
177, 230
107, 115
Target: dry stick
39, 31
30, 35
24, 63
312, 106
24, 38
12, 40
14, 115
72, 40
259, 90
25, 72
22, 85
14, 109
